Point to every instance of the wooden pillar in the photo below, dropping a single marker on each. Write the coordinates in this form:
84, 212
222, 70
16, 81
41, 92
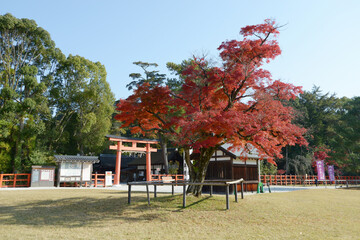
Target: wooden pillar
95, 181
236, 192
14, 183
258, 166
81, 176
58, 175
148, 162
1, 180
118, 164
184, 195
242, 190
129, 194
28, 179
147, 193
227, 197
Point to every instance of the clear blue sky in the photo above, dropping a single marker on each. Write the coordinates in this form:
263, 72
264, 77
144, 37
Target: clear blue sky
320, 42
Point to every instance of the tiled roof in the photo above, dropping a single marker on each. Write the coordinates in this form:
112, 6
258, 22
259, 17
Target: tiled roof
74, 158
239, 153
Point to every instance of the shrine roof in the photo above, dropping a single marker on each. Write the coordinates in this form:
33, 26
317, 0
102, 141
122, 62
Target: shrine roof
75, 158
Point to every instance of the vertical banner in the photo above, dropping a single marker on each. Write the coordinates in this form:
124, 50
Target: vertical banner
331, 172
320, 170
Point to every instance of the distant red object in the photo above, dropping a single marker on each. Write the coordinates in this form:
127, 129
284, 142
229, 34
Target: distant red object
119, 147
15, 180
281, 171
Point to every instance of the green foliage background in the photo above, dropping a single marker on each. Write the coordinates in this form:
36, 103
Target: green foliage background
49, 103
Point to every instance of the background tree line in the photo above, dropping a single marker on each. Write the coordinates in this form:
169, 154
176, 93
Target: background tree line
49, 103
333, 125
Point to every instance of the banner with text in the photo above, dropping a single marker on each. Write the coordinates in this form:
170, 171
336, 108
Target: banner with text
331, 172
320, 170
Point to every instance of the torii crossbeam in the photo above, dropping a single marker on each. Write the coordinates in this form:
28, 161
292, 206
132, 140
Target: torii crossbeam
119, 147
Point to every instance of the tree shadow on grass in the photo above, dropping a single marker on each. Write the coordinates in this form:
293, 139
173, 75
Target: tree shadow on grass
350, 188
174, 203
77, 211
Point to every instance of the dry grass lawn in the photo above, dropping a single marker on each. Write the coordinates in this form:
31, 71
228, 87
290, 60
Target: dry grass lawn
105, 214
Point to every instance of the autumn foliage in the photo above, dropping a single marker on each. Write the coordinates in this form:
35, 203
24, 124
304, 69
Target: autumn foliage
236, 102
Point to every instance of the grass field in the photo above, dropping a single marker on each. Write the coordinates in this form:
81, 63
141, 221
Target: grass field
105, 214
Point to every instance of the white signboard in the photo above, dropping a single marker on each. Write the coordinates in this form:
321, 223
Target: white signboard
70, 169
45, 175
87, 169
108, 178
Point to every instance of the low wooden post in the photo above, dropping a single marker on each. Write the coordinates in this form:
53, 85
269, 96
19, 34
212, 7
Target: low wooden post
129, 194
268, 185
14, 183
211, 190
242, 190
28, 180
347, 184
95, 182
227, 197
154, 191
236, 192
172, 189
1, 180
184, 196
147, 193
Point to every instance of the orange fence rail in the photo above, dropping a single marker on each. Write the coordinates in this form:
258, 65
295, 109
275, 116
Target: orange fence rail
298, 179
98, 180
158, 177
15, 180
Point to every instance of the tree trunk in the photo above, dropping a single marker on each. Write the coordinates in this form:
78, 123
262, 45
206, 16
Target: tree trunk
17, 167
198, 170
164, 153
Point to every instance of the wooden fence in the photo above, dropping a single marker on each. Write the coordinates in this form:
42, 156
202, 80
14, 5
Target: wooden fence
158, 177
15, 180
98, 180
298, 179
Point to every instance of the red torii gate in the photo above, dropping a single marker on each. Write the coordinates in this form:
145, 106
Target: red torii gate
119, 147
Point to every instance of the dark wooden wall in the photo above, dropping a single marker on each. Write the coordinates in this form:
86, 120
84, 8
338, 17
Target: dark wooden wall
248, 173
219, 170
226, 170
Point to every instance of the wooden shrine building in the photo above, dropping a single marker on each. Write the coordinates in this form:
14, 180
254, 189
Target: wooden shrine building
225, 164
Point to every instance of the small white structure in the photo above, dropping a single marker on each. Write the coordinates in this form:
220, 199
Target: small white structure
75, 168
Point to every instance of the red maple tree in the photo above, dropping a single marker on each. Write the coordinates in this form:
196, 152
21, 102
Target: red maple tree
236, 103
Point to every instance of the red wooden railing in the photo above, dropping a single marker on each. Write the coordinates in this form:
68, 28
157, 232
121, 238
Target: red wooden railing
298, 179
15, 180
98, 180
158, 177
